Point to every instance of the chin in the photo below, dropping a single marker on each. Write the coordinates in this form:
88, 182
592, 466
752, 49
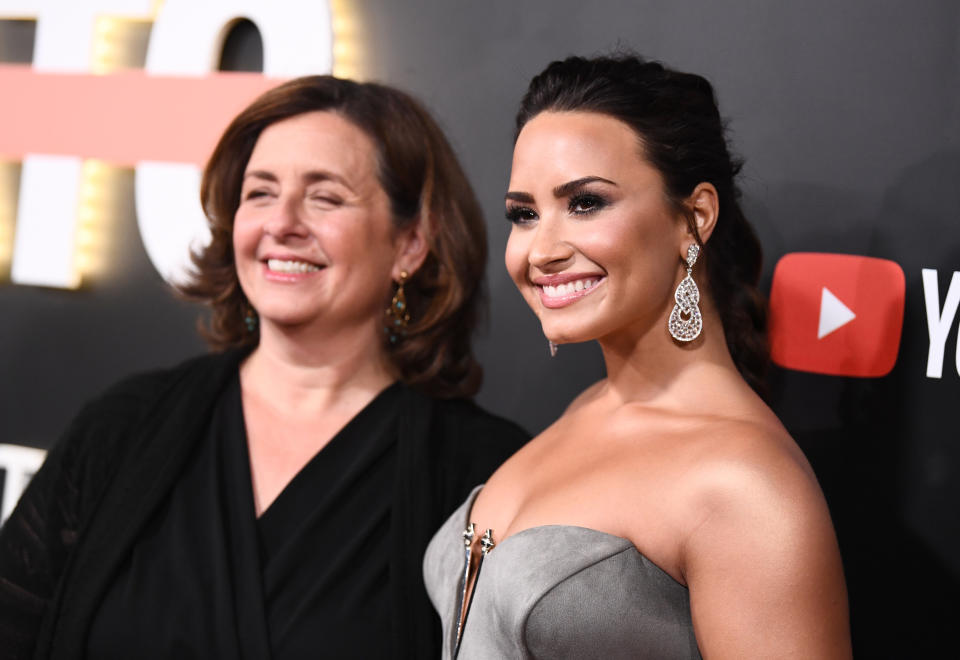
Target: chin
288, 320
567, 333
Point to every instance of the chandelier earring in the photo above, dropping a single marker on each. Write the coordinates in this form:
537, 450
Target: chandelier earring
397, 314
686, 322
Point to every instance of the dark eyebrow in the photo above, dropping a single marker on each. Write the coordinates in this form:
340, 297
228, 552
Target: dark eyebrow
565, 189
323, 175
309, 177
522, 197
560, 191
259, 174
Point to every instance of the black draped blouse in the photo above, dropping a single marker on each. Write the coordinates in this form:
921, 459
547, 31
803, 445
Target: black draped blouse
308, 578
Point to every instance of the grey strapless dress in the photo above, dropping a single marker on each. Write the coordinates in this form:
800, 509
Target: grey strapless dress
558, 591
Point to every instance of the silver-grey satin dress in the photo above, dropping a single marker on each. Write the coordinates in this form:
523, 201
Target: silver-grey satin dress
557, 591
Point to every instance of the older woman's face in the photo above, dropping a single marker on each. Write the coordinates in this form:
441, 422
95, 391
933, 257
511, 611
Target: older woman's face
313, 237
594, 245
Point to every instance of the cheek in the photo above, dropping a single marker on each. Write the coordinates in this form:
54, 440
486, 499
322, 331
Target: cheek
245, 235
644, 258
362, 264
515, 256
363, 245
635, 241
624, 232
238, 241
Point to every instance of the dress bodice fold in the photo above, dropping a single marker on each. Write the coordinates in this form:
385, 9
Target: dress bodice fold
558, 591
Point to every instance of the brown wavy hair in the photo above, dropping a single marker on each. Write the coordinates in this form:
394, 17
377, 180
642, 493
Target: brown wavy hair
676, 117
423, 179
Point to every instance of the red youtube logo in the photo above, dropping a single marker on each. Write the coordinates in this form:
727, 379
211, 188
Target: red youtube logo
836, 314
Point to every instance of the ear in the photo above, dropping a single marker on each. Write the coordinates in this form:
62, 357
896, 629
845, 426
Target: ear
704, 205
412, 248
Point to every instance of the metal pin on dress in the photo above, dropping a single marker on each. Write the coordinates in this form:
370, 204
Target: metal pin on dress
486, 545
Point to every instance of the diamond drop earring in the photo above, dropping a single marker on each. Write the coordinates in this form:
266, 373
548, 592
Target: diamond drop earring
686, 321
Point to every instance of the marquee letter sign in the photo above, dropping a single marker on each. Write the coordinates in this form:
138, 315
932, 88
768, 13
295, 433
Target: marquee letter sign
163, 120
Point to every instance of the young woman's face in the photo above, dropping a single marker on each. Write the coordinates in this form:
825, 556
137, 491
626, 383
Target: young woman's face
594, 245
313, 237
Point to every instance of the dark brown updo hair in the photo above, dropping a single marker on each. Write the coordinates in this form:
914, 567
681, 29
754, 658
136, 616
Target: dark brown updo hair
676, 118
423, 179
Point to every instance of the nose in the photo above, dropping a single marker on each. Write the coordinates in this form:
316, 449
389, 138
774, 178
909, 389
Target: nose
285, 220
549, 252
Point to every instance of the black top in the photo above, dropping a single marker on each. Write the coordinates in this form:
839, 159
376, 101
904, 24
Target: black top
120, 460
309, 577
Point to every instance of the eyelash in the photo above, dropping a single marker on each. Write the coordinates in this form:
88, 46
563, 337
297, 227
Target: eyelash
521, 215
596, 203
332, 200
327, 199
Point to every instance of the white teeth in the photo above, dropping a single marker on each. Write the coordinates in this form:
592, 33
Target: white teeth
285, 266
569, 287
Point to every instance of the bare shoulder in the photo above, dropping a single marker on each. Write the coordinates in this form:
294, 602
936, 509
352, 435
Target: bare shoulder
750, 464
760, 552
748, 483
720, 461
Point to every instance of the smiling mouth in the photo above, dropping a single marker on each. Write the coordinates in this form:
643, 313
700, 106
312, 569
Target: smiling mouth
560, 295
290, 266
562, 290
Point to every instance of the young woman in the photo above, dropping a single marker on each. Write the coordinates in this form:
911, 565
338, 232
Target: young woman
274, 500
667, 513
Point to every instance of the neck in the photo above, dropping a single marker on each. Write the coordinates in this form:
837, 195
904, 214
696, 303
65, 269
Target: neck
649, 366
302, 369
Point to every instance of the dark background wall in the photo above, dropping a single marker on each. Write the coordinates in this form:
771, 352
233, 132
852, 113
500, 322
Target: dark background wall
848, 115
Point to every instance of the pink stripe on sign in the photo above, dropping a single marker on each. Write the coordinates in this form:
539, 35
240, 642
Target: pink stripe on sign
122, 117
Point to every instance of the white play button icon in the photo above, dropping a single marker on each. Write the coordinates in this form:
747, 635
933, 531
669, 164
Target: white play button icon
833, 314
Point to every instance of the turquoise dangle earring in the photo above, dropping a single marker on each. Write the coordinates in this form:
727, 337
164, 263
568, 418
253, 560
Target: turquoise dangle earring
397, 315
251, 320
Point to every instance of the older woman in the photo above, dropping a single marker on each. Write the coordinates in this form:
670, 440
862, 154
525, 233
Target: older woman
273, 499
667, 513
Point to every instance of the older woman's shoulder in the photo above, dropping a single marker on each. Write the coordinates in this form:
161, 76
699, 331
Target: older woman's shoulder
148, 388
464, 437
106, 422
466, 421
